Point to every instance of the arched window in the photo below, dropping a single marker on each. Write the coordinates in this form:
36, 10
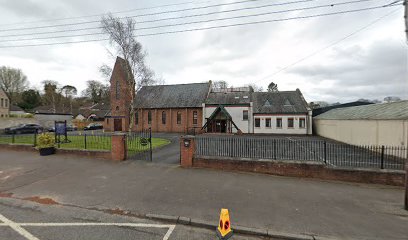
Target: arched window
117, 90
195, 117
117, 108
178, 117
149, 117
163, 117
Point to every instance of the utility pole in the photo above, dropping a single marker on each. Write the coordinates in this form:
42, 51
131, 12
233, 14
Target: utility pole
406, 18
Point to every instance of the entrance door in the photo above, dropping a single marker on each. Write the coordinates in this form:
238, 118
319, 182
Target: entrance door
221, 126
117, 125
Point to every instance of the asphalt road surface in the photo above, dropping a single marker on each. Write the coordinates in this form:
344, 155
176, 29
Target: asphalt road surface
27, 220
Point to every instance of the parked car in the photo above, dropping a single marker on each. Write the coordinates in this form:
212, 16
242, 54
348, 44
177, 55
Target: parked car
24, 128
93, 126
70, 128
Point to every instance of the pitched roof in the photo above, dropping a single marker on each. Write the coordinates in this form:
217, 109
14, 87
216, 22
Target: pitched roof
172, 96
381, 111
279, 102
318, 111
228, 98
15, 108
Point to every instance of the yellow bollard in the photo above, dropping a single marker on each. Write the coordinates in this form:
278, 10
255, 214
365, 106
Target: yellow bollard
224, 226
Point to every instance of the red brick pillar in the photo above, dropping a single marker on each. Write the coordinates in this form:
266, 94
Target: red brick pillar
406, 185
187, 150
119, 149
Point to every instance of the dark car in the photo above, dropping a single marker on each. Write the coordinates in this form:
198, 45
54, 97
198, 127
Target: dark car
93, 126
70, 128
24, 128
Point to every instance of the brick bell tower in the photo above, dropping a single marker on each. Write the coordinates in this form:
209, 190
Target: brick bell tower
120, 97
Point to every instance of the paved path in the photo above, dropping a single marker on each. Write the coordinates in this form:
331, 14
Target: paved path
169, 154
293, 205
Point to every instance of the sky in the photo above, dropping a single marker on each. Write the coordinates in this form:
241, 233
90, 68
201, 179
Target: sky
336, 58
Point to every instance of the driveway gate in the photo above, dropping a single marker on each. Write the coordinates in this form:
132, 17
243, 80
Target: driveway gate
139, 145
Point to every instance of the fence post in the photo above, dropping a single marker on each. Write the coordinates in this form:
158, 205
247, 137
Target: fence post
85, 140
325, 152
406, 185
275, 153
35, 139
151, 148
382, 156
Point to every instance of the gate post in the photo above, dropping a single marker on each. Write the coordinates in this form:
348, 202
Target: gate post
119, 149
187, 150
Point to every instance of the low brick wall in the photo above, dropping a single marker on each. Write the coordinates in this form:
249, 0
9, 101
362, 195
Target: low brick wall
304, 169
77, 152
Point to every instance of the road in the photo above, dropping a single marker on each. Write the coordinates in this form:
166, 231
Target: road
283, 204
27, 220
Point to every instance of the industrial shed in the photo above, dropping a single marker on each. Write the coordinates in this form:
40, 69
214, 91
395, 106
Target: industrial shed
376, 124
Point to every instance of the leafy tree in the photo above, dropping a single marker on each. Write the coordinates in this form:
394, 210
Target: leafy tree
273, 87
30, 99
96, 91
122, 37
13, 82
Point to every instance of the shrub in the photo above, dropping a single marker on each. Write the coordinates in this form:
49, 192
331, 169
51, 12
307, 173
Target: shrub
45, 140
28, 115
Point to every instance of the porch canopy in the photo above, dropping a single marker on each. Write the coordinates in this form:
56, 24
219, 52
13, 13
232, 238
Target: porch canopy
220, 121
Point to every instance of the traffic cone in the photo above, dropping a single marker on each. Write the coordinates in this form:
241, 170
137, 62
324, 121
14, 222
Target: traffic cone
224, 231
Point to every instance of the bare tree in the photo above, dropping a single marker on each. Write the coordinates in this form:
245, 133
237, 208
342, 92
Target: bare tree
122, 37
51, 96
96, 91
254, 88
13, 82
69, 91
391, 99
221, 84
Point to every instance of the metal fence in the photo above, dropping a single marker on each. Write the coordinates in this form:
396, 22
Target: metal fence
77, 140
139, 145
302, 149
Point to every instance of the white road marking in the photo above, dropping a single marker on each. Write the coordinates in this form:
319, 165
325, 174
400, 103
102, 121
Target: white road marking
16, 227
169, 232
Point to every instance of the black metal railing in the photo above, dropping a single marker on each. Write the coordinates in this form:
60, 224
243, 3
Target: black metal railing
77, 140
301, 149
139, 145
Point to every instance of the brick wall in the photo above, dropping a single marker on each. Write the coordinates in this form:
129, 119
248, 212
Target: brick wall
171, 119
304, 169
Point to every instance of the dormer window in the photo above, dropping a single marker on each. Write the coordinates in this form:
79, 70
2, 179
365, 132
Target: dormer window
267, 103
287, 103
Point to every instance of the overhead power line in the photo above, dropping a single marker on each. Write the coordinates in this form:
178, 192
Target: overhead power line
195, 22
208, 28
102, 14
148, 14
328, 46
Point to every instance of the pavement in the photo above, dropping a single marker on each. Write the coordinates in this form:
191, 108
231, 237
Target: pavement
305, 207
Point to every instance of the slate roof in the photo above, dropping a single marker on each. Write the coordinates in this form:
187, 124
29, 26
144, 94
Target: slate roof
288, 102
381, 111
172, 96
15, 108
228, 98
